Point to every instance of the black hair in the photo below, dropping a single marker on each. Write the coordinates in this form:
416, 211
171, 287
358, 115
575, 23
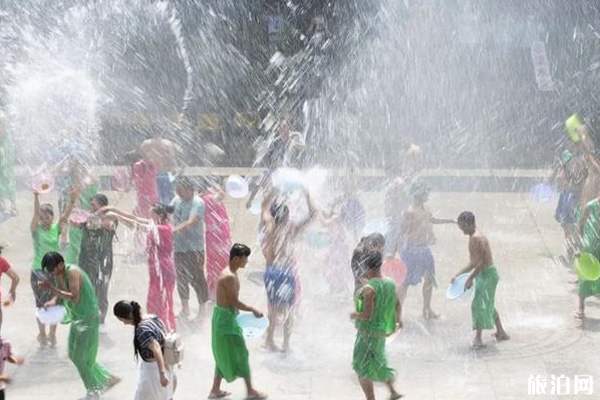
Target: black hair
375, 238
101, 199
51, 260
126, 309
163, 211
185, 181
47, 208
467, 217
239, 250
280, 213
372, 260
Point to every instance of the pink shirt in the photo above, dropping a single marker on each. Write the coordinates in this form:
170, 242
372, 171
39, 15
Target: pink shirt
144, 179
160, 252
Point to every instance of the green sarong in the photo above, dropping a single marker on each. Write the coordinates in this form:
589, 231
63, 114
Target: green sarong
84, 317
369, 359
228, 345
483, 310
590, 243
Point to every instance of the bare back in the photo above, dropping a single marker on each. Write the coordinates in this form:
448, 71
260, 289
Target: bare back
161, 152
480, 251
228, 288
279, 246
417, 226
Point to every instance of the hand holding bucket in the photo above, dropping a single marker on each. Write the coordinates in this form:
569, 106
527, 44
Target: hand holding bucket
587, 267
42, 183
236, 187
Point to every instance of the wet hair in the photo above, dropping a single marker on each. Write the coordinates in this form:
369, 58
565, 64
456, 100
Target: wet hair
374, 239
372, 260
185, 181
419, 189
47, 208
467, 217
51, 260
239, 250
101, 199
163, 211
125, 309
280, 213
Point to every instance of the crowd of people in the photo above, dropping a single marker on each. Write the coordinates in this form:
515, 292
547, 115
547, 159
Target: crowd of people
182, 230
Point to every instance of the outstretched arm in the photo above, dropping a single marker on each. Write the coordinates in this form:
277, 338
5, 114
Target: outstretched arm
127, 218
435, 220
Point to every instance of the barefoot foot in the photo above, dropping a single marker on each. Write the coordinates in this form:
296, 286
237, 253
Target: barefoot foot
256, 395
430, 314
218, 395
477, 344
270, 346
501, 336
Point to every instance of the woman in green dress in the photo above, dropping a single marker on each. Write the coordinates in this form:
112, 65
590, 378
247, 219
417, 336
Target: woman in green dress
74, 289
45, 233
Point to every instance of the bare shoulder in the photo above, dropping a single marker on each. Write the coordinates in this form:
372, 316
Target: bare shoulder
226, 274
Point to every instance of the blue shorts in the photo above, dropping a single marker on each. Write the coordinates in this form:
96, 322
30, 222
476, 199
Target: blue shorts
165, 188
567, 207
281, 286
419, 262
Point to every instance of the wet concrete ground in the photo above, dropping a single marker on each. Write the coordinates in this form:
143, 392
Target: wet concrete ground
433, 358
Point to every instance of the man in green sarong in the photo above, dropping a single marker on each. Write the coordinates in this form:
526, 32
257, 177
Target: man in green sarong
228, 345
485, 275
74, 289
377, 316
589, 234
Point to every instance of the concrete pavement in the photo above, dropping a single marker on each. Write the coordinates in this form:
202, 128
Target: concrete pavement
432, 358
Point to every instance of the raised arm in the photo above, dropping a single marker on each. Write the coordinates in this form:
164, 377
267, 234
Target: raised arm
312, 211
73, 196
35, 219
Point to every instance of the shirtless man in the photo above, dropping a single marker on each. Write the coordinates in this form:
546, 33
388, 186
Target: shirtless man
397, 199
228, 345
417, 226
281, 274
162, 153
485, 275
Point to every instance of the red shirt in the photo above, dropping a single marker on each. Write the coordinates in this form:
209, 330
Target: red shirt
4, 267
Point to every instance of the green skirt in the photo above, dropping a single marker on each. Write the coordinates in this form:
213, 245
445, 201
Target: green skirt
588, 288
228, 345
483, 310
369, 359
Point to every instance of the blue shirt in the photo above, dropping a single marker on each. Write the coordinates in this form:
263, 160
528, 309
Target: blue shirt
192, 238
